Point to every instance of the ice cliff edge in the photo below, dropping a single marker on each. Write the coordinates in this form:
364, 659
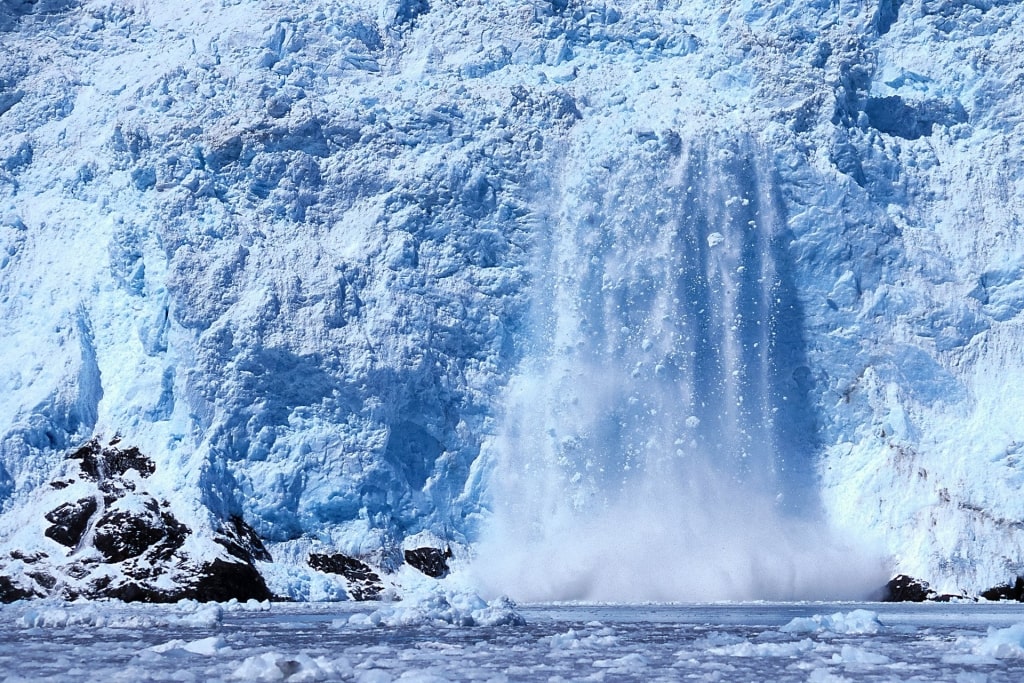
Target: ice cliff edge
288, 252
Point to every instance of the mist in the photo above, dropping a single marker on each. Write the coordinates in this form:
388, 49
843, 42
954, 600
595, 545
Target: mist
659, 441
662, 547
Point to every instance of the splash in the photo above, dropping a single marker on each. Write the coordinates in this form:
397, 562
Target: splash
658, 443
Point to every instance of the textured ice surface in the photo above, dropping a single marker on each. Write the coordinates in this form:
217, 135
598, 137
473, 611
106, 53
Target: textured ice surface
313, 642
857, 621
307, 257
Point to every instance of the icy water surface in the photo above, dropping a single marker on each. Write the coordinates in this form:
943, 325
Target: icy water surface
313, 642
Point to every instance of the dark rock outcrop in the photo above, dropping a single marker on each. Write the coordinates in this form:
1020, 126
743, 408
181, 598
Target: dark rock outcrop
123, 542
11, 591
217, 581
363, 582
1006, 591
242, 541
97, 462
69, 521
903, 588
431, 561
221, 580
122, 534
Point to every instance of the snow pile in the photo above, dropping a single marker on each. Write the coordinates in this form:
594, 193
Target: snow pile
440, 606
857, 622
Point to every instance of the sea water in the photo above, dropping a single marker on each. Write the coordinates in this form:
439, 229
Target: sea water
548, 642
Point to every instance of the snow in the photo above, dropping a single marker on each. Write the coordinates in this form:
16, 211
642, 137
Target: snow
364, 272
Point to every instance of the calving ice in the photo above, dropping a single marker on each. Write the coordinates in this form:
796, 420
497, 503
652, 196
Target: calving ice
659, 442
692, 300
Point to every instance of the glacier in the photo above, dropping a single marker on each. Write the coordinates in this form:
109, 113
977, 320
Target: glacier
377, 275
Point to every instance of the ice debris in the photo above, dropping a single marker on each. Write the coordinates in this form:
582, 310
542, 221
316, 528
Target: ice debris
438, 607
1002, 643
859, 621
187, 614
270, 667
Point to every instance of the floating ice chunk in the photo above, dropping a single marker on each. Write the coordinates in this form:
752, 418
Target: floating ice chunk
44, 618
273, 666
708, 643
971, 677
572, 640
803, 625
189, 614
715, 238
1002, 643
441, 607
748, 649
247, 606
176, 644
374, 676
859, 621
84, 616
422, 677
626, 664
204, 646
856, 655
499, 612
200, 616
825, 676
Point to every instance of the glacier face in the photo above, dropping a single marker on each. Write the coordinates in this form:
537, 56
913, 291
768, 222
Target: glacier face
305, 255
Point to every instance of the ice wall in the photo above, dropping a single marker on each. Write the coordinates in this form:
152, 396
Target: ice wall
307, 256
